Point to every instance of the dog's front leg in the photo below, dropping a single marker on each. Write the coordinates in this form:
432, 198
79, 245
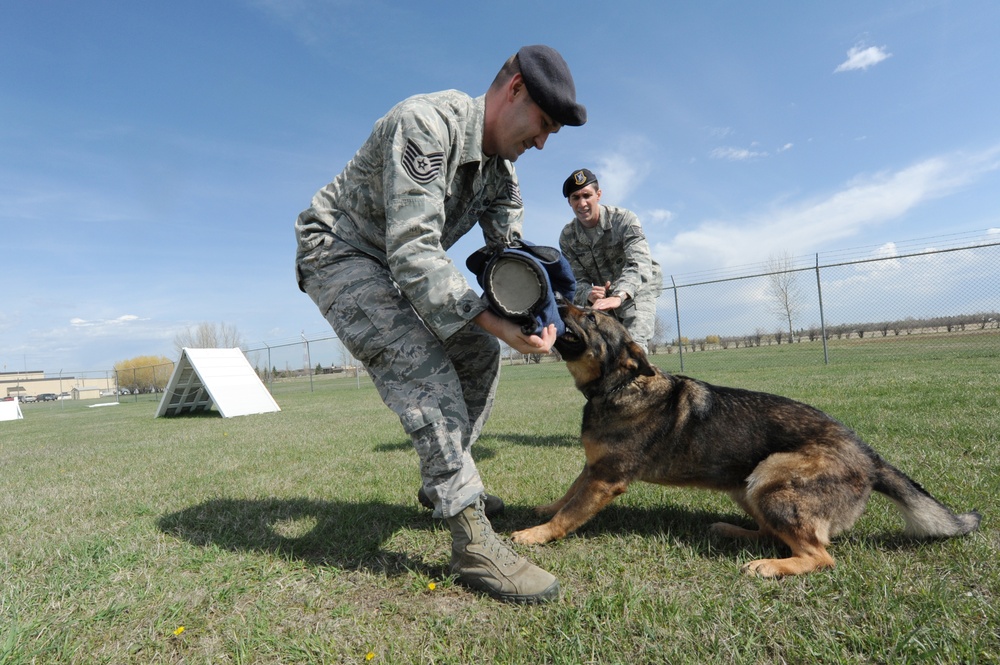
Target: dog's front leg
591, 496
556, 506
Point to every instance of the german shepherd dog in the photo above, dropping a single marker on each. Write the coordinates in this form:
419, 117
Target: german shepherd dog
800, 474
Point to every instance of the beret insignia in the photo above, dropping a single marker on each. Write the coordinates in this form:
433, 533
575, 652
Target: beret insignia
578, 180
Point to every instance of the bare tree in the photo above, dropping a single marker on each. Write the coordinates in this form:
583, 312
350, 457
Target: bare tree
209, 336
783, 287
661, 332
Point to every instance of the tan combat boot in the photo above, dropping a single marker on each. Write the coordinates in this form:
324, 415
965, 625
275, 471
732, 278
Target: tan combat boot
483, 562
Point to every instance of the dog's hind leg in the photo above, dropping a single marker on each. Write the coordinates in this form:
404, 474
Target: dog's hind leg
803, 498
808, 554
732, 531
808, 544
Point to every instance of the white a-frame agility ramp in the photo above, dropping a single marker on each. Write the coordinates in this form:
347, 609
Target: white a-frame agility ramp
10, 410
223, 377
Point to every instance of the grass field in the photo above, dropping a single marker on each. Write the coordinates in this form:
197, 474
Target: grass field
295, 537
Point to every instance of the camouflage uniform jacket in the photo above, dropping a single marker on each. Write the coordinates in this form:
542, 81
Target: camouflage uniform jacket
418, 184
618, 254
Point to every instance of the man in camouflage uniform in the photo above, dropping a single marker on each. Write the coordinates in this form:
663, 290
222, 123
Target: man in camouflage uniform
371, 255
610, 258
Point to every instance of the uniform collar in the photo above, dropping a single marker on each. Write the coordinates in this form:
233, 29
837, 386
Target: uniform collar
472, 147
603, 223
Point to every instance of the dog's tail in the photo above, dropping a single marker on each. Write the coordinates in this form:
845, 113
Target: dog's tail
925, 516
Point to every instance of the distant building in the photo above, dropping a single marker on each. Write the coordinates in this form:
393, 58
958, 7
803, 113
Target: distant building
32, 383
85, 392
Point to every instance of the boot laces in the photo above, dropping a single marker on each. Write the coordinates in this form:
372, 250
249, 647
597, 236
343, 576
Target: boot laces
498, 550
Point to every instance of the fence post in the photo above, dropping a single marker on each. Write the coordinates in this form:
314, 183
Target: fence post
677, 314
270, 374
308, 361
822, 320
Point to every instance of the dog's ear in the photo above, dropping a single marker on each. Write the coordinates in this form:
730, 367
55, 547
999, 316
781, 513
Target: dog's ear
639, 358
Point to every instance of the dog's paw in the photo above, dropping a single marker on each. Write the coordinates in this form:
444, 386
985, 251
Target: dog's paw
793, 565
762, 568
533, 536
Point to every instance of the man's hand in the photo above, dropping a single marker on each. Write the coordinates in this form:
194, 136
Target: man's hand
598, 293
510, 332
600, 298
611, 302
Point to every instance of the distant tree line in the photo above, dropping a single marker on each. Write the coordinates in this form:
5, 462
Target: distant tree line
907, 326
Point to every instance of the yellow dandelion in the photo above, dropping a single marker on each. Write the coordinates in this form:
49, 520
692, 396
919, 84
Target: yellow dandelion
432, 586
369, 655
180, 629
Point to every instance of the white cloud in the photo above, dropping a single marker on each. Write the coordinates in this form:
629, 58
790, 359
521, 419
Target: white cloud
736, 154
657, 216
77, 322
720, 132
622, 169
733, 154
808, 226
859, 57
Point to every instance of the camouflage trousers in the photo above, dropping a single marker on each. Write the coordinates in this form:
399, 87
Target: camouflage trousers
638, 315
442, 391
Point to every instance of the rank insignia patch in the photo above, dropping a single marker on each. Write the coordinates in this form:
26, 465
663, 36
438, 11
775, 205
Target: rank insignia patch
515, 193
422, 168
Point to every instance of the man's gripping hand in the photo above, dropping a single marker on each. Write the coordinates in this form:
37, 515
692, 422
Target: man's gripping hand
510, 333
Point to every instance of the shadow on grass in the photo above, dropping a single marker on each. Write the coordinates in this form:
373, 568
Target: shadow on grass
482, 449
536, 441
684, 525
654, 521
211, 413
351, 536
327, 533
690, 527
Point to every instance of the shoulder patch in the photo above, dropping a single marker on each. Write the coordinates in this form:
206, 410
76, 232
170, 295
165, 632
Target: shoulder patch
515, 193
422, 168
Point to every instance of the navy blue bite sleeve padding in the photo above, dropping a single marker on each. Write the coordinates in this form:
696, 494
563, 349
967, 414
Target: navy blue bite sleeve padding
554, 278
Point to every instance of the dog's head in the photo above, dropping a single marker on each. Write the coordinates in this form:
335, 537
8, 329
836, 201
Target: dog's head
599, 352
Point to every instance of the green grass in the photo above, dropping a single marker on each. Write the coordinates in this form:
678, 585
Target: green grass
296, 537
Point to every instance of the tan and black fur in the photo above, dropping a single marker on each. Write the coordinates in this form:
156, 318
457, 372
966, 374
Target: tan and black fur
800, 474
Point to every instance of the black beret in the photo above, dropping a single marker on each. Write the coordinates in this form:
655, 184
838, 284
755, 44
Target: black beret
549, 82
578, 180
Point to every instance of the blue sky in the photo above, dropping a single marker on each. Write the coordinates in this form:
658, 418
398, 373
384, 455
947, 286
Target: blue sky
154, 156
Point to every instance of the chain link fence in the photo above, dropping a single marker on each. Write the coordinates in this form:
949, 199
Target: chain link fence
825, 307
819, 309
836, 305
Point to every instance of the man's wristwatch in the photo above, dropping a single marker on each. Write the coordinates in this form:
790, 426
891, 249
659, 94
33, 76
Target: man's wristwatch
622, 295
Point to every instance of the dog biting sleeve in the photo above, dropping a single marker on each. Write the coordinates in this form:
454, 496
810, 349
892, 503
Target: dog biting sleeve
523, 282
